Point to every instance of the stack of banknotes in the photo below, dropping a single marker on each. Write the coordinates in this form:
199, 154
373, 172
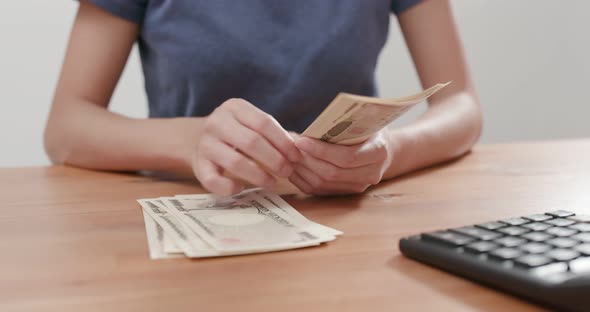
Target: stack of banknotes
208, 225
352, 119
254, 221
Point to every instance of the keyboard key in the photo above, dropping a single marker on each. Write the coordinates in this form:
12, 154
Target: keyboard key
582, 227
515, 221
583, 248
538, 217
478, 233
560, 222
514, 230
448, 238
580, 265
561, 213
506, 253
537, 226
535, 247
580, 218
561, 231
550, 269
491, 225
537, 236
510, 241
584, 237
561, 254
559, 277
531, 261
562, 242
481, 246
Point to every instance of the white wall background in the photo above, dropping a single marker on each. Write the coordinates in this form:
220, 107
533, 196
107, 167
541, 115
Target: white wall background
529, 60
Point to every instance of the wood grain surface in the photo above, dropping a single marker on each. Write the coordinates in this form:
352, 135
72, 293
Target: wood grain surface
74, 240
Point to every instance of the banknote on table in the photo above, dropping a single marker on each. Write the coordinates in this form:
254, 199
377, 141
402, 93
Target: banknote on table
281, 204
352, 119
275, 201
189, 242
170, 245
155, 238
243, 222
207, 225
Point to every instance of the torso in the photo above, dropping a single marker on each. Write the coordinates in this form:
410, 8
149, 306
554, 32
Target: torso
290, 58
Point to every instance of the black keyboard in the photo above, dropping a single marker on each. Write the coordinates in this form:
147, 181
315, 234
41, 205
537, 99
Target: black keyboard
542, 257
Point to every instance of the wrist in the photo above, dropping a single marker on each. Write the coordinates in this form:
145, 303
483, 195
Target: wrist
396, 142
188, 130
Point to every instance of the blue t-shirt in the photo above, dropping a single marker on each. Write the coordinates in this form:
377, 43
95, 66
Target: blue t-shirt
287, 57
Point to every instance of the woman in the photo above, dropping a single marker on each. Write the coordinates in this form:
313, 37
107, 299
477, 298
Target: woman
228, 80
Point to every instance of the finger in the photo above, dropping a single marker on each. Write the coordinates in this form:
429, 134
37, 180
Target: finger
211, 179
321, 186
300, 183
265, 124
341, 155
369, 174
321, 192
255, 146
237, 164
294, 136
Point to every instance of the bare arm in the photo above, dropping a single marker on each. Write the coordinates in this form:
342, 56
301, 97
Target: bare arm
453, 121
81, 131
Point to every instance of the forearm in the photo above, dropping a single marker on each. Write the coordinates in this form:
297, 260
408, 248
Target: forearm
91, 137
446, 131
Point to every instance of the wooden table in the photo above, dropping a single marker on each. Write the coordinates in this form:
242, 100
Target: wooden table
74, 240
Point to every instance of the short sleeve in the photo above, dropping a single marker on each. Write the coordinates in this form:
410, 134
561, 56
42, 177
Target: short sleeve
132, 10
398, 6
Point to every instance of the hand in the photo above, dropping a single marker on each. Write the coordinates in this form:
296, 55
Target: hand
328, 169
235, 140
